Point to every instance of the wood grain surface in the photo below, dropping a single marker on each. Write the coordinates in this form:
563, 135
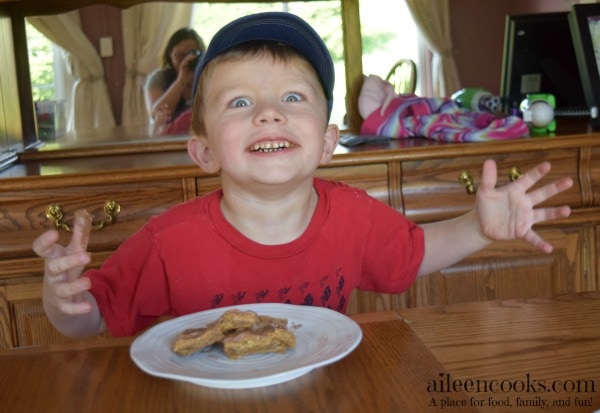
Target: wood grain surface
388, 372
537, 352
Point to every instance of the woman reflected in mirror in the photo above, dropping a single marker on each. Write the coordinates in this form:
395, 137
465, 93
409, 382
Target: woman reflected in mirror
168, 90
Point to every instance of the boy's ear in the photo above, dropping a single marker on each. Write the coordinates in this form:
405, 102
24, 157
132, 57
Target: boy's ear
332, 138
201, 154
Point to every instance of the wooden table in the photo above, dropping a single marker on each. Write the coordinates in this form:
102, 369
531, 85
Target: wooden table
531, 353
527, 352
387, 372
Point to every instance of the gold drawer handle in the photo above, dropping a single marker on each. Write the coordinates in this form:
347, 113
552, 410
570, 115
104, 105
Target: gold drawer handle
514, 173
55, 213
466, 180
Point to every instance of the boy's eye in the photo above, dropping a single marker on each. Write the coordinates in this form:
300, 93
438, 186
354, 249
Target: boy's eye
241, 102
292, 97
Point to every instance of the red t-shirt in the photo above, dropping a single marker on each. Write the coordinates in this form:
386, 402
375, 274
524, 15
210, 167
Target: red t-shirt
190, 259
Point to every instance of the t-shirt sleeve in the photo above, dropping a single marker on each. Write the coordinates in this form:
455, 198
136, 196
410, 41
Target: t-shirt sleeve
131, 288
395, 247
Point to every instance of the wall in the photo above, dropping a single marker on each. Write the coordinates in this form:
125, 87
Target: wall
105, 21
478, 34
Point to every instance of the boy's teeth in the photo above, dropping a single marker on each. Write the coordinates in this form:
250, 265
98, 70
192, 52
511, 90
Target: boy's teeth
270, 146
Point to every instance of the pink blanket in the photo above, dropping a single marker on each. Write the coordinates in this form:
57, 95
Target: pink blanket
440, 119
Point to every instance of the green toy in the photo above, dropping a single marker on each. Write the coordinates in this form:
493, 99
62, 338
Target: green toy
477, 99
538, 113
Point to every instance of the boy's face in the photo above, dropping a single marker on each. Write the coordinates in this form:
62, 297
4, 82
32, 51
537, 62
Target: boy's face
266, 121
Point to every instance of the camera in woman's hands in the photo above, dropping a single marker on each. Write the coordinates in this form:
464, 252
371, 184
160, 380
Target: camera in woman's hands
194, 62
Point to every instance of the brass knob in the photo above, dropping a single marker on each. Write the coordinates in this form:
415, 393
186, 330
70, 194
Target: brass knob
514, 173
466, 180
54, 212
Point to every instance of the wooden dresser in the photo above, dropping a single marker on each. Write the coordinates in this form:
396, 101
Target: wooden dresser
415, 176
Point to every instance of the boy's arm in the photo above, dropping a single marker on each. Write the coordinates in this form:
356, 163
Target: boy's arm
66, 299
74, 324
170, 97
503, 213
449, 241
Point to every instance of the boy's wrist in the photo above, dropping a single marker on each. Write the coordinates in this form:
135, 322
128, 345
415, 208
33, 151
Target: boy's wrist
478, 231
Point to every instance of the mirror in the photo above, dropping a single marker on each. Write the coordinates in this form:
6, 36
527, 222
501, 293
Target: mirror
102, 23
469, 19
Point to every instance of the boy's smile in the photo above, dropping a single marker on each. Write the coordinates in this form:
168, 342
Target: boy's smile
270, 146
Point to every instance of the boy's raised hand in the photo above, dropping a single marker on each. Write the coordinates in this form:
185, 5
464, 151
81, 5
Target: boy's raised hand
509, 212
63, 267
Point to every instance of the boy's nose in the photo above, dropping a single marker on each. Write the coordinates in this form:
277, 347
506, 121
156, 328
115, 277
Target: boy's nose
269, 112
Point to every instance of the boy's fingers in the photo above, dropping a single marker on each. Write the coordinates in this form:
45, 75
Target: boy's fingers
74, 308
44, 245
489, 175
67, 290
81, 231
548, 214
533, 238
548, 191
533, 176
537, 173
65, 263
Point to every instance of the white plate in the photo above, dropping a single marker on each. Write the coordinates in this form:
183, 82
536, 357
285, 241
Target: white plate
323, 336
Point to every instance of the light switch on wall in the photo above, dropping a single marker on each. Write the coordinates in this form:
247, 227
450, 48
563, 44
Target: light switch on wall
106, 47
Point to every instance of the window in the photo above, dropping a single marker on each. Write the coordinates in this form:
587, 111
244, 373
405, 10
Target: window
388, 34
41, 64
50, 83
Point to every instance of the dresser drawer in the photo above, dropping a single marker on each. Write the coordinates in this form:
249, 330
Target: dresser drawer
371, 178
431, 189
23, 213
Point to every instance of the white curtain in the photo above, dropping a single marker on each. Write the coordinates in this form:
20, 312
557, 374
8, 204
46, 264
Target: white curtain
90, 106
146, 30
433, 19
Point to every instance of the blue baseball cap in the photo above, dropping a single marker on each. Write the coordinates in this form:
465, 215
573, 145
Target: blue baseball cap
280, 27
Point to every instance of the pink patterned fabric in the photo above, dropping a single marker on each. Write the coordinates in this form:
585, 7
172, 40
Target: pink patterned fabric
440, 119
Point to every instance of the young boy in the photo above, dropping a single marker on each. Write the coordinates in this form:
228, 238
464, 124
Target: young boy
274, 233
